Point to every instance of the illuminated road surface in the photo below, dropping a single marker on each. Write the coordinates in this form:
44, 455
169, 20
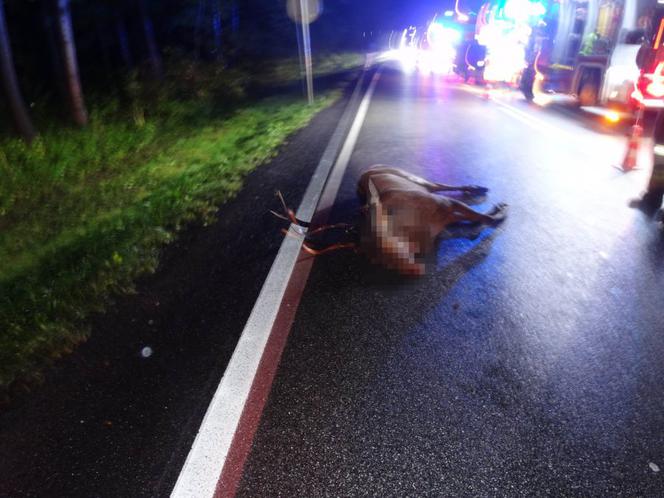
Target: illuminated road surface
529, 363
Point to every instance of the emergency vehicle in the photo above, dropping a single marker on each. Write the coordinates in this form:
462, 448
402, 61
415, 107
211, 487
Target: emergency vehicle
588, 50
585, 50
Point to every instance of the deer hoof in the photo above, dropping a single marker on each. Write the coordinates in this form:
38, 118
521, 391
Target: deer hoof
476, 190
499, 212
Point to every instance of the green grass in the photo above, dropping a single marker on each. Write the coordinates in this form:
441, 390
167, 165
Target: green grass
84, 212
285, 71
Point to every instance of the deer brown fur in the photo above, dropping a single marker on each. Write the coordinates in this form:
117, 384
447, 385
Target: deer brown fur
403, 215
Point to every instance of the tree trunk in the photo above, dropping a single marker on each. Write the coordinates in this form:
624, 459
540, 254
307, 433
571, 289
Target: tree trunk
154, 58
53, 51
198, 24
235, 17
216, 29
123, 41
10, 83
68, 50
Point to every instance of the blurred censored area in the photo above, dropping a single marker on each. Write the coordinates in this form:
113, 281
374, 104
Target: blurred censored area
396, 234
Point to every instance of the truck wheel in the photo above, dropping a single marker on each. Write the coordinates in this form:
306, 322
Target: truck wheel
588, 93
527, 82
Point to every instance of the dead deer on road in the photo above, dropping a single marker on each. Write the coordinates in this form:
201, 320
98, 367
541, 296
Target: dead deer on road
403, 215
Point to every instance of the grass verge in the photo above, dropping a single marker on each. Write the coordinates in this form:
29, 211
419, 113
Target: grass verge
286, 71
84, 212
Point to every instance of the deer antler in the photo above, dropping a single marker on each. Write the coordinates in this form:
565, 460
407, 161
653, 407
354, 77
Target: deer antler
330, 227
333, 247
290, 214
318, 252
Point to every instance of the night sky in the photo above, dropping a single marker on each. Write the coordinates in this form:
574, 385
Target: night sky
392, 14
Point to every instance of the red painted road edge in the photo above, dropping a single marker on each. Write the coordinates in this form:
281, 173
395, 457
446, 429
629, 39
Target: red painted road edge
231, 474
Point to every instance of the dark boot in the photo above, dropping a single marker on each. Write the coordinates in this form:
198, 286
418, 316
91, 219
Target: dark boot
649, 203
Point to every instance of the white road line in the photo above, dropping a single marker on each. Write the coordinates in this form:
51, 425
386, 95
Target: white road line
584, 143
337, 173
206, 459
593, 147
311, 196
530, 120
526, 118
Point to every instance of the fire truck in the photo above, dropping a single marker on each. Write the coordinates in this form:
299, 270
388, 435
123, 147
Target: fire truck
598, 52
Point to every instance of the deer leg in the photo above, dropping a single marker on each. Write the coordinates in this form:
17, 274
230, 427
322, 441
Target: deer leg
462, 212
422, 182
466, 189
418, 180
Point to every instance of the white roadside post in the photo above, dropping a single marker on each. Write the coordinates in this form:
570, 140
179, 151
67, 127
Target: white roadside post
304, 12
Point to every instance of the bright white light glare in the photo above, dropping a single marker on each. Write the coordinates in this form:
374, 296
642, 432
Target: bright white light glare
620, 73
506, 44
506, 61
517, 9
437, 58
438, 61
659, 150
612, 117
442, 49
425, 62
619, 81
542, 99
450, 13
404, 39
407, 57
442, 35
537, 9
407, 54
521, 10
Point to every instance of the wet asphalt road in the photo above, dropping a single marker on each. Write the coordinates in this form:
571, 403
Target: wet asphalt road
529, 363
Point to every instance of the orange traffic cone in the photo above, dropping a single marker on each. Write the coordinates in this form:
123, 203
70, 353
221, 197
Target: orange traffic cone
632, 154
